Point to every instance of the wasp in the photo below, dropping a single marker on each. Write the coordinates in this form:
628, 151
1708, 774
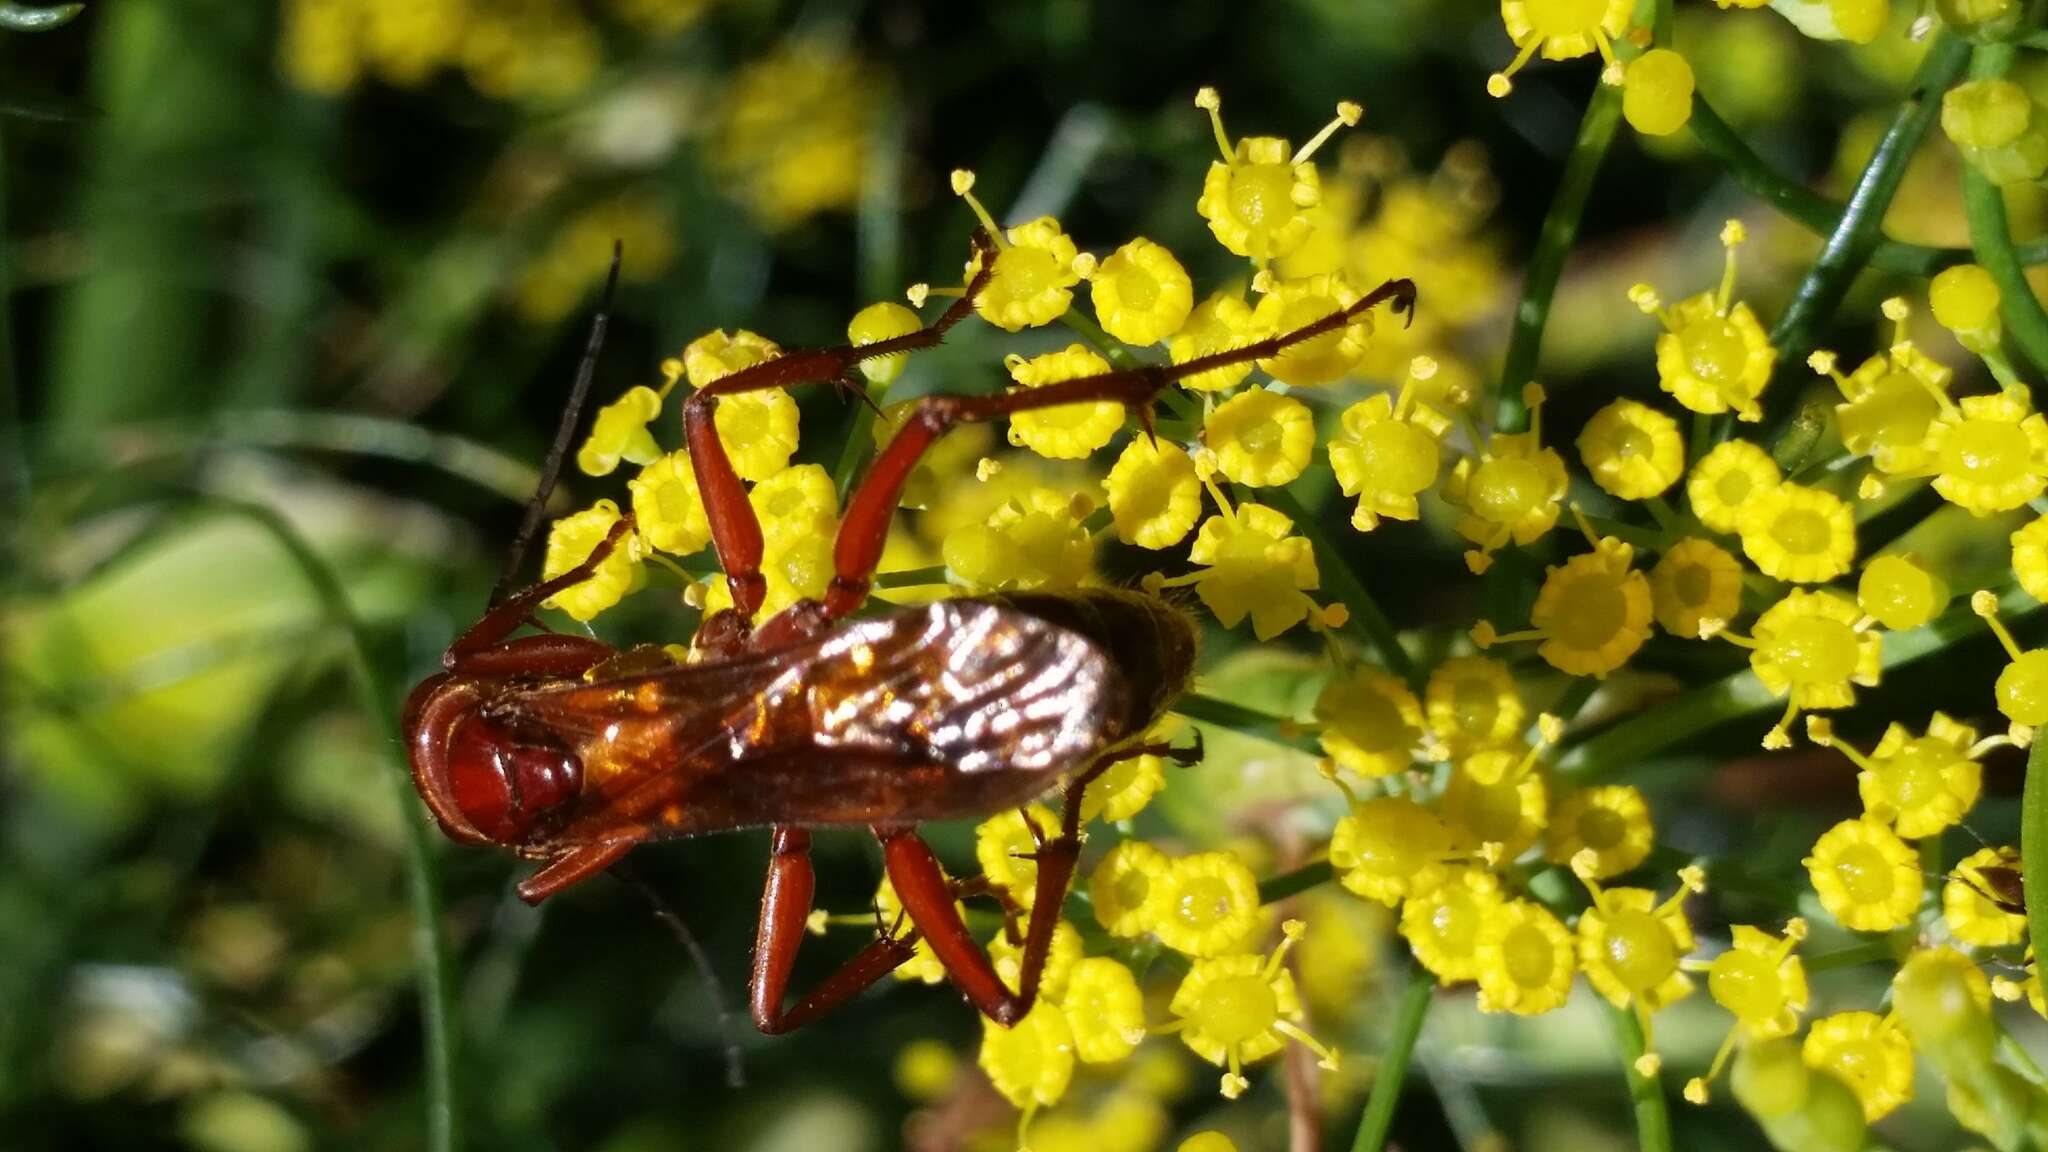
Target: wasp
571, 753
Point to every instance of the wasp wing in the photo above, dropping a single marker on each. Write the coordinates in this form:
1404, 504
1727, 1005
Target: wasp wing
954, 709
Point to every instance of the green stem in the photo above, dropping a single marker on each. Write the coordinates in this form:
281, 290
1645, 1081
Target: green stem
1386, 1084
1644, 736
912, 577
1849, 246
1274, 889
378, 699
2034, 840
98, 450
1087, 329
1337, 575
1853, 956
1244, 721
879, 232
1991, 236
1553, 246
1818, 213
1653, 1119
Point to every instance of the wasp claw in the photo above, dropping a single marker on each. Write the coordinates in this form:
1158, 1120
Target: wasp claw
850, 386
1190, 755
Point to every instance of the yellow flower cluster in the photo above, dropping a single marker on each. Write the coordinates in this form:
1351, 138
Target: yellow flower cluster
1500, 871
540, 51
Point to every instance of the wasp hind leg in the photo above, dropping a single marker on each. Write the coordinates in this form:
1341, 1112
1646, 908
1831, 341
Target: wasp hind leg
785, 914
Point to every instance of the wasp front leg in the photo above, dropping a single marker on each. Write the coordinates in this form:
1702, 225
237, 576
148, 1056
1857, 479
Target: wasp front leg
735, 530
858, 548
785, 915
484, 649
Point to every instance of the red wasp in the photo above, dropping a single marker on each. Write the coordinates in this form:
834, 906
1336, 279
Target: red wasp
571, 752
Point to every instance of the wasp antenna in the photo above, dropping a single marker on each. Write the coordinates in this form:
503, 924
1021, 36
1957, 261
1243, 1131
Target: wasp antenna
565, 430
735, 1071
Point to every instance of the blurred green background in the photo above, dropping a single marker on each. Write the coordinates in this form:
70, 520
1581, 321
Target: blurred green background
327, 268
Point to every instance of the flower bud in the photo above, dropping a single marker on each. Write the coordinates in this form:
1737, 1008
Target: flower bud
1995, 124
1943, 1001
1799, 1108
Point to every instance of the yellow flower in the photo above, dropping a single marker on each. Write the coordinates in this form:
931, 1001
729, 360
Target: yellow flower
1562, 30
1105, 1009
1203, 905
1142, 295
1610, 821
1725, 480
1806, 648
1155, 497
1972, 917
1371, 723
792, 133
1760, 979
1889, 402
1695, 581
668, 512
1495, 798
2022, 689
1032, 1063
1899, 592
1512, 491
1799, 534
1989, 453
876, 323
1256, 199
1207, 1142
1032, 541
758, 429
1525, 958
2030, 557
1069, 431
1120, 888
1252, 567
1591, 614
1444, 926
796, 567
619, 432
1061, 956
1630, 944
1388, 451
1233, 1010
1260, 437
1866, 877
923, 966
718, 354
1005, 847
925, 1070
796, 503
571, 540
1218, 324
1472, 704
1633, 451
1123, 790
1390, 848
1034, 275
1919, 786
1290, 304
556, 279
1713, 355
1867, 1052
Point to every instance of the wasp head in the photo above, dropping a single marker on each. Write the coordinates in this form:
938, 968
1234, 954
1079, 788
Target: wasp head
484, 779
